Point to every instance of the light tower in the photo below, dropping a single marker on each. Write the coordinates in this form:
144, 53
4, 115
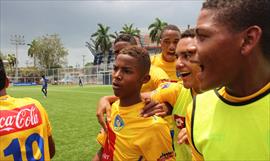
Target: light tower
17, 40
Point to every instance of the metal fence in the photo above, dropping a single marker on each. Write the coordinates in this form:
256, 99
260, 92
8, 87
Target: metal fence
96, 74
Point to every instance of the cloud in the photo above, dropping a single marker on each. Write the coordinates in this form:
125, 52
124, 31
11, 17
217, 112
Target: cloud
75, 21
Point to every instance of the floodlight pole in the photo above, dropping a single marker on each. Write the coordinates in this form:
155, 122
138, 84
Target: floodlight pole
83, 60
17, 40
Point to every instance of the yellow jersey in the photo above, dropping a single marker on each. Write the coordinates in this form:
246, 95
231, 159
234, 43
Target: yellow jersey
132, 137
24, 130
224, 127
168, 67
179, 97
158, 76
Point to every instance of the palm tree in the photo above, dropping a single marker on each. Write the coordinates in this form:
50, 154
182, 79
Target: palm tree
128, 29
102, 40
155, 30
33, 50
11, 58
91, 45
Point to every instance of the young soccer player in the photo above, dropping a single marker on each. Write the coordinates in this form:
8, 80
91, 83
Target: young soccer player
129, 136
44, 85
180, 94
232, 122
166, 60
25, 131
158, 75
80, 82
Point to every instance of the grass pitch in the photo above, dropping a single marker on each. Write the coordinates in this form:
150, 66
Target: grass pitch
72, 113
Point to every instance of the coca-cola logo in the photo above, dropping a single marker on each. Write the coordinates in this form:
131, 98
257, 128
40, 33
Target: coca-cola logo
19, 119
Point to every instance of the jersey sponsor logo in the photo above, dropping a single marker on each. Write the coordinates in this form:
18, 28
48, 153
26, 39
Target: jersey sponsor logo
105, 157
166, 85
166, 156
19, 119
118, 123
179, 121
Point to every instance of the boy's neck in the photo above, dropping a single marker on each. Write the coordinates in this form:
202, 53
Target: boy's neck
130, 100
3, 92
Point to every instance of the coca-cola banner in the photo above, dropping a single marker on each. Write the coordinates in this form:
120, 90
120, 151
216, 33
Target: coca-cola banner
19, 119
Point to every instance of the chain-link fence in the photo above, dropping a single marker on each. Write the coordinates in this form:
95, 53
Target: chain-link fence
96, 74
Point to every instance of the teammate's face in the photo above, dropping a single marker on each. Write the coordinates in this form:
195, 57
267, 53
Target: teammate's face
119, 46
127, 78
187, 70
218, 52
168, 44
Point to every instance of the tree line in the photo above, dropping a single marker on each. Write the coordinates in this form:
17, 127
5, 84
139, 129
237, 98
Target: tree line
49, 52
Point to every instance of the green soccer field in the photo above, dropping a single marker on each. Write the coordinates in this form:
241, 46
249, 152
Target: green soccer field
72, 113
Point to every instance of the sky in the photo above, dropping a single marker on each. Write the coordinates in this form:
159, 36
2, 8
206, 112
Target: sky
75, 21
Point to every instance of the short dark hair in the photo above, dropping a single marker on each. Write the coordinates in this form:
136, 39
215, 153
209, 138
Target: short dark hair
238, 15
3, 76
141, 55
169, 27
188, 33
126, 38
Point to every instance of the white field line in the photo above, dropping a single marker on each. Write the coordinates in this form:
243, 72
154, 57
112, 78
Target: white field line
74, 91
65, 90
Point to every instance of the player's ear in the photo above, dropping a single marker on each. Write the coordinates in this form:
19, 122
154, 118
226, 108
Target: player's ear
146, 78
251, 38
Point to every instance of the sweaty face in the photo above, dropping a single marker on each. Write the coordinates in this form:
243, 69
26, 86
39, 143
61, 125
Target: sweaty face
119, 46
127, 79
187, 70
168, 42
218, 52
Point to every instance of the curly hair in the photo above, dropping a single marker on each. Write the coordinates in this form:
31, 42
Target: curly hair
188, 33
3, 76
141, 55
238, 15
126, 38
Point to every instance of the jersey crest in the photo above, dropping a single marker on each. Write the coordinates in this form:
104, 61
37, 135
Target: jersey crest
166, 85
118, 123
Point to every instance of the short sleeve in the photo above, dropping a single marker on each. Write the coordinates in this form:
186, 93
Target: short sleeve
156, 143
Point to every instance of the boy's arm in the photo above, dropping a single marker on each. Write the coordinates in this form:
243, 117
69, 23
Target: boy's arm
51, 146
104, 107
98, 155
154, 108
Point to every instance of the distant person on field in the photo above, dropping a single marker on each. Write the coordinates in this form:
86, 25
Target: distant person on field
80, 82
130, 136
25, 130
44, 85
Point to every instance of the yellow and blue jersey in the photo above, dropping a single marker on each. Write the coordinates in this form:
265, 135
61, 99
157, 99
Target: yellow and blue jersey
24, 130
132, 137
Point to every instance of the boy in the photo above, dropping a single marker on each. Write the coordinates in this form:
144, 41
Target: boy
44, 85
158, 75
129, 136
180, 94
25, 131
166, 60
232, 122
